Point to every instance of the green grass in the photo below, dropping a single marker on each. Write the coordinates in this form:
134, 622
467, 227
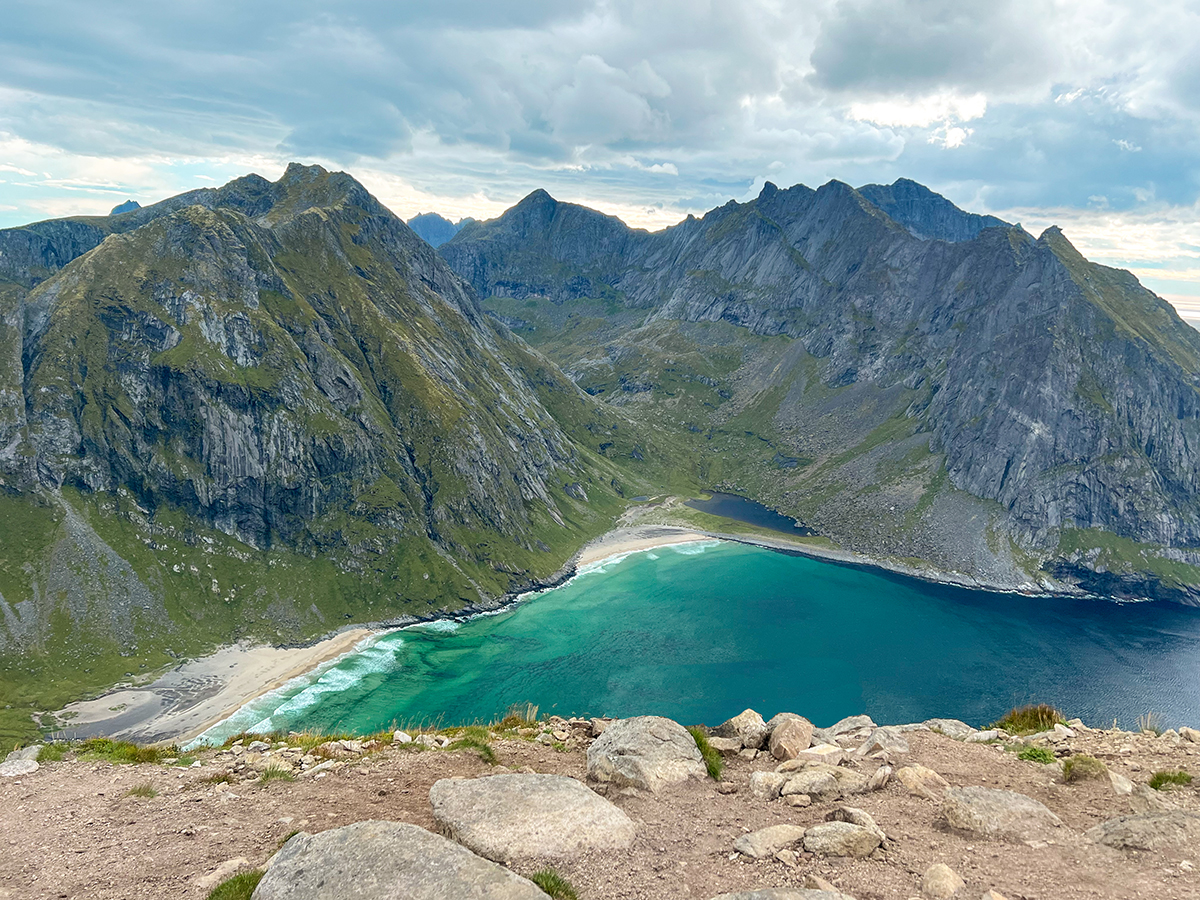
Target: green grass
123, 751
53, 752
1082, 766
1150, 723
554, 884
712, 759
1165, 778
220, 778
146, 789
1036, 754
239, 887
1029, 719
275, 773
470, 740
519, 715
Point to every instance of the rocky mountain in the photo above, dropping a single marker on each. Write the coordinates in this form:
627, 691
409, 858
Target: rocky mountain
267, 410
434, 229
916, 382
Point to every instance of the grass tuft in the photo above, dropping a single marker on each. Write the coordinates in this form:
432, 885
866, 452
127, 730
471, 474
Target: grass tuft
53, 752
1165, 778
146, 789
287, 837
1150, 723
712, 759
1082, 766
124, 751
240, 887
473, 742
275, 773
554, 884
1030, 719
519, 715
1036, 754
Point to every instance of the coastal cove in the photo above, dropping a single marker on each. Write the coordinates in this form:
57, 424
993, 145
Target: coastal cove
700, 630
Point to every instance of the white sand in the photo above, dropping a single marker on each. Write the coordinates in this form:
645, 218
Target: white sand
199, 693
630, 540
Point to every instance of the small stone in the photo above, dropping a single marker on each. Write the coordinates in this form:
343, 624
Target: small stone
1120, 784
840, 839
402, 737
878, 781
725, 746
855, 816
747, 726
922, 781
798, 800
888, 738
1190, 735
561, 735
766, 785
982, 737
258, 746
940, 882
788, 858
768, 841
952, 728
748, 754
221, 872
427, 740
817, 883
598, 726
993, 895
727, 787
829, 754
17, 767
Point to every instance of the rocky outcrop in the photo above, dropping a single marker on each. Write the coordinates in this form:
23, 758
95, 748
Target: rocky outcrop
646, 752
376, 860
1149, 831
997, 814
512, 817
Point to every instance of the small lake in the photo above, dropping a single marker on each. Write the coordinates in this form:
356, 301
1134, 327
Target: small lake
743, 509
699, 632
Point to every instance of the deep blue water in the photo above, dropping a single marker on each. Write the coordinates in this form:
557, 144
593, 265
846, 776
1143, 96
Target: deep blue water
743, 509
700, 632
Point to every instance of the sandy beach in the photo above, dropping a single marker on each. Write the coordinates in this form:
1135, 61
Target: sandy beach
620, 541
197, 694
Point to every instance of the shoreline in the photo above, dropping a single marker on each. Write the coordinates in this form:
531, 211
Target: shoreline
201, 693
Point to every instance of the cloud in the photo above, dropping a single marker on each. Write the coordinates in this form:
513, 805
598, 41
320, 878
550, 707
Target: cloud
650, 110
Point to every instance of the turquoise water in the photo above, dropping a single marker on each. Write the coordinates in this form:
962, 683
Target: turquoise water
700, 632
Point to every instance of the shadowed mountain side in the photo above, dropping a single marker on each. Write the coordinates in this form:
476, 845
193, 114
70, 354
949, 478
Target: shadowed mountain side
993, 404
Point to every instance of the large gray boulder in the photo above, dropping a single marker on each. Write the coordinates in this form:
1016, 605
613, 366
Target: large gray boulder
996, 814
790, 737
376, 860
1149, 831
646, 752
953, 728
509, 817
15, 768
29, 753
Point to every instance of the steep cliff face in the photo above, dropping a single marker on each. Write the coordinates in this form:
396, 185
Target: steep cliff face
939, 348
286, 372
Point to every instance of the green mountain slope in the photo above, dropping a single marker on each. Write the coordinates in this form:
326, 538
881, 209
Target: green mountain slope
935, 389
269, 413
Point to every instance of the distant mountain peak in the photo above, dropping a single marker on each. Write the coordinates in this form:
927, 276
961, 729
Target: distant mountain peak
127, 206
926, 213
435, 229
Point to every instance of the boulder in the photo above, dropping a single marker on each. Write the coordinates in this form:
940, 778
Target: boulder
376, 860
767, 785
952, 728
402, 737
28, 753
1190, 734
841, 839
725, 746
1148, 831
829, 754
1120, 784
816, 783
887, 739
768, 841
997, 814
646, 752
511, 816
879, 780
790, 737
15, 768
1144, 799
982, 737
940, 882
747, 726
848, 732
855, 816
921, 781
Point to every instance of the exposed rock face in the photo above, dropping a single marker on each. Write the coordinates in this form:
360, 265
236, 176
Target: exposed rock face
510, 817
375, 860
996, 814
1061, 390
646, 752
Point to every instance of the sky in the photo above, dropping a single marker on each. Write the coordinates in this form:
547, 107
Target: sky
1081, 114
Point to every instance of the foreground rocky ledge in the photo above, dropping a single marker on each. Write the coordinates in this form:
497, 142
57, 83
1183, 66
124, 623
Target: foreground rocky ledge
619, 810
